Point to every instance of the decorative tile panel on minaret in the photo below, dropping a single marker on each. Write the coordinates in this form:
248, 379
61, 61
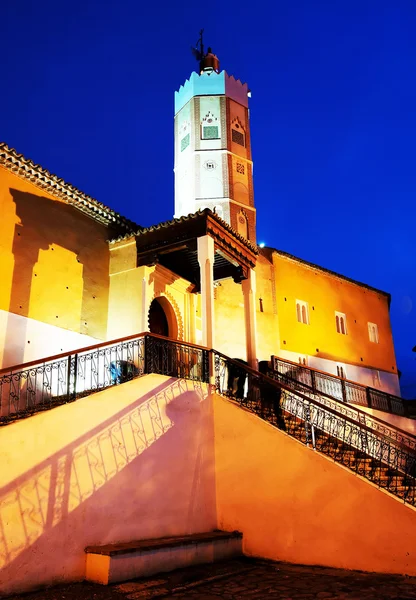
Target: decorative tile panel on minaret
213, 166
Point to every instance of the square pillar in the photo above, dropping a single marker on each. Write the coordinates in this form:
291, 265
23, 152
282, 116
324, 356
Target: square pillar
249, 295
206, 254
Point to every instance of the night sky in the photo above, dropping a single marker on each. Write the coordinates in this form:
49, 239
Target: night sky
86, 90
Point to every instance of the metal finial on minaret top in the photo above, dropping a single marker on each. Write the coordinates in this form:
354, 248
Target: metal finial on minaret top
208, 62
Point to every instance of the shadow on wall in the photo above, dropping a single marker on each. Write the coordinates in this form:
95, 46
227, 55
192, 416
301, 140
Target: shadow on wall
148, 471
65, 291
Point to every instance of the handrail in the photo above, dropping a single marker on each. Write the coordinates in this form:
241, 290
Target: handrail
312, 401
49, 359
350, 407
368, 396
71, 357
42, 384
386, 462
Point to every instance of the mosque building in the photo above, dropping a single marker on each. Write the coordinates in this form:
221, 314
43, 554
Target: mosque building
75, 272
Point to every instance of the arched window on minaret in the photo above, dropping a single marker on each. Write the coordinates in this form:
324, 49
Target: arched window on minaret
209, 127
242, 224
238, 134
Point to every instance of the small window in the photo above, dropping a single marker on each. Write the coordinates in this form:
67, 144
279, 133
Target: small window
210, 132
240, 168
376, 379
341, 323
303, 361
302, 312
341, 372
373, 333
237, 137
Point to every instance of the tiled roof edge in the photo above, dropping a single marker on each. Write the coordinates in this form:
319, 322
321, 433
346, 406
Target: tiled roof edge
17, 163
325, 270
183, 219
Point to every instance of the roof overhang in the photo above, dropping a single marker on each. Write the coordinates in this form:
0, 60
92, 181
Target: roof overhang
174, 245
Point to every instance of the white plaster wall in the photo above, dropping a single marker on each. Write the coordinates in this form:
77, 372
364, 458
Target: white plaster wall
210, 182
389, 382
134, 461
32, 340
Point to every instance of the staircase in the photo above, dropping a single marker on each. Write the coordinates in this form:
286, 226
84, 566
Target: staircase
375, 450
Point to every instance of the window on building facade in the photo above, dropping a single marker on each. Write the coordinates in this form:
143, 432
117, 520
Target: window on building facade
303, 361
341, 372
237, 136
240, 168
376, 379
341, 323
373, 332
302, 312
210, 132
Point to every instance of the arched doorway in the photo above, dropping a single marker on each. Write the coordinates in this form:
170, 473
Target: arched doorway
162, 318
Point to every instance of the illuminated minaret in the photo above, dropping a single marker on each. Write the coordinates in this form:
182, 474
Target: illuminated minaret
213, 166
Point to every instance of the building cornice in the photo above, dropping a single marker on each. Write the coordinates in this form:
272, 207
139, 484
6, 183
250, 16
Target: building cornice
23, 167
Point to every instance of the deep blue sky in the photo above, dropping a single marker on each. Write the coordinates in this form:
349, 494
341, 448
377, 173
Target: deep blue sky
86, 90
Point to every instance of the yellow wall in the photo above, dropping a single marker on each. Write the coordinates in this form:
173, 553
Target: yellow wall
326, 294
54, 260
229, 315
133, 288
131, 462
295, 505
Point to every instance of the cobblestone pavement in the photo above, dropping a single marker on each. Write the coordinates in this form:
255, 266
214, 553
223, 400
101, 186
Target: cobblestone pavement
246, 579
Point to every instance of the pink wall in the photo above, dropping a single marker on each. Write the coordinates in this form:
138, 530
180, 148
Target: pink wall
295, 505
134, 461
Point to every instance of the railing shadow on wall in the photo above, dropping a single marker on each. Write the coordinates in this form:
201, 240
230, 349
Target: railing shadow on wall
38, 502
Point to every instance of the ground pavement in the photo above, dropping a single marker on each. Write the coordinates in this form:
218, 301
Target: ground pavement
247, 579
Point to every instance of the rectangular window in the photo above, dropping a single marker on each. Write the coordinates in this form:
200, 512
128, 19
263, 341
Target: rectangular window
210, 132
341, 323
237, 137
302, 312
373, 332
376, 379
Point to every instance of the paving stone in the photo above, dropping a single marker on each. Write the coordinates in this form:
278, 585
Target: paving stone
245, 579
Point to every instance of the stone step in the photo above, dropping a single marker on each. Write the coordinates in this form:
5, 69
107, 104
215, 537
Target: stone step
113, 563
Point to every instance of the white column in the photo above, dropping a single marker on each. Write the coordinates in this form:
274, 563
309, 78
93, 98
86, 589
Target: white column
249, 294
206, 265
145, 307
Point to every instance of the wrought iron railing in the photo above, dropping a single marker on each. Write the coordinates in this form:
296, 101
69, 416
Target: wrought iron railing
40, 385
387, 462
353, 412
340, 389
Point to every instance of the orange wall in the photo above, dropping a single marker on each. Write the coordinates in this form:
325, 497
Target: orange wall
295, 505
54, 260
134, 461
229, 315
326, 294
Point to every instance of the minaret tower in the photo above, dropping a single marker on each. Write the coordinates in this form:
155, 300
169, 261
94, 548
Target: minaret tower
213, 166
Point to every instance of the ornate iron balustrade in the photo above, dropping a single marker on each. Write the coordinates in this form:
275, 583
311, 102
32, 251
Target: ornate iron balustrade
386, 462
41, 385
340, 389
349, 410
